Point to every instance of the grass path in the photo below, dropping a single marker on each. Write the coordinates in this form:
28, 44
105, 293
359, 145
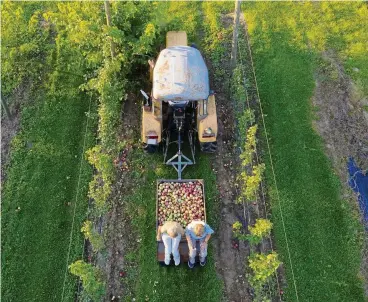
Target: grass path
40, 193
321, 231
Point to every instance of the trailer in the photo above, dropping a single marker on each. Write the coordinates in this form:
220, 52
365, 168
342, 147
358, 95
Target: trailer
183, 246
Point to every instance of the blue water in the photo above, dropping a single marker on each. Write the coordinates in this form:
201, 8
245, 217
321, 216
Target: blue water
359, 182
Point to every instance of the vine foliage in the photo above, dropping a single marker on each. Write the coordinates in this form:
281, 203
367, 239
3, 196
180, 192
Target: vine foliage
91, 279
263, 268
92, 235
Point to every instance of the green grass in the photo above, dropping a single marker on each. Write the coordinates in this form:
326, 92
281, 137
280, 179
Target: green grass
357, 68
42, 181
321, 231
161, 283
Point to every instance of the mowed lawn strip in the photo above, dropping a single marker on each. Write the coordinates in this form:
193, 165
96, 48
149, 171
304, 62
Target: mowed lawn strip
171, 283
319, 226
40, 193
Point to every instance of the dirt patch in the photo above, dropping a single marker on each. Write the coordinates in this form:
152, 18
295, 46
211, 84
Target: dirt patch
120, 238
341, 116
9, 128
342, 123
230, 259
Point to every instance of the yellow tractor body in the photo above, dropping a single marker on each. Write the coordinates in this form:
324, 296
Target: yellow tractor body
151, 130
180, 91
176, 38
207, 123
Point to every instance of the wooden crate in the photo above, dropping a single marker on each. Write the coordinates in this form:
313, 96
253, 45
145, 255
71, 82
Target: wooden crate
183, 250
183, 246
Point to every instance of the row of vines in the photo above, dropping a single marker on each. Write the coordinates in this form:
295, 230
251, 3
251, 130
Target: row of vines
118, 52
263, 262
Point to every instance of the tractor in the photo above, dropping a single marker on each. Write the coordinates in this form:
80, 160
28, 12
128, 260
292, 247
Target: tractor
181, 107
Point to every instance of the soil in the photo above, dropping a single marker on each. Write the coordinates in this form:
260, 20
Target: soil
10, 127
230, 259
20, 96
342, 122
120, 238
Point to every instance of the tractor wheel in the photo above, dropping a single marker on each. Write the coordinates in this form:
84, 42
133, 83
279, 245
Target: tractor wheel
150, 148
210, 147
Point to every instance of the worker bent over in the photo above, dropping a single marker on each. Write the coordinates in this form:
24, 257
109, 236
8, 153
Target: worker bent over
198, 231
171, 233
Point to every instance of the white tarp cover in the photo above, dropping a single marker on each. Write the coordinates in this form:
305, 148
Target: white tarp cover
180, 74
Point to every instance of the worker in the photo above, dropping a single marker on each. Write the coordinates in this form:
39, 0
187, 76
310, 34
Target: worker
196, 231
171, 233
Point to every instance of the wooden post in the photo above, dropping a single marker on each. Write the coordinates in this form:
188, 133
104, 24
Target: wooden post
108, 22
235, 33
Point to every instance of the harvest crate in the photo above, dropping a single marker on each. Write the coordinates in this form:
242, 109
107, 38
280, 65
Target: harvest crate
183, 246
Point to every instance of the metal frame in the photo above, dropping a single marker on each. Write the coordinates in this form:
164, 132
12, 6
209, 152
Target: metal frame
179, 161
182, 161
